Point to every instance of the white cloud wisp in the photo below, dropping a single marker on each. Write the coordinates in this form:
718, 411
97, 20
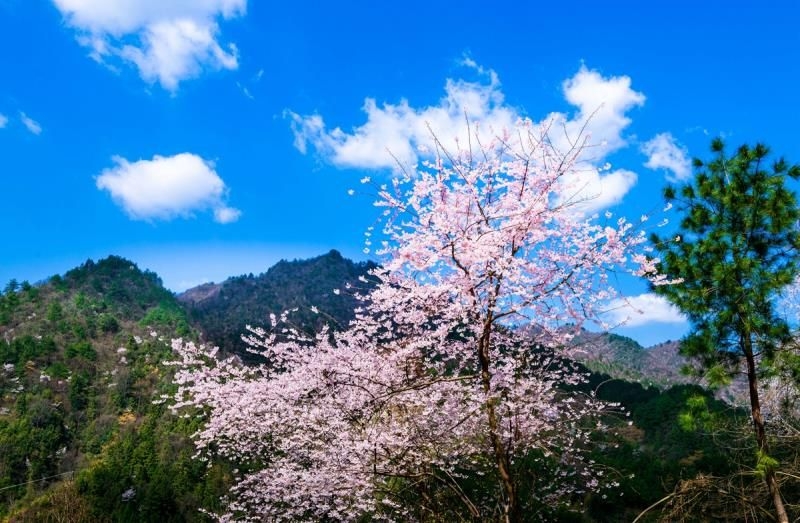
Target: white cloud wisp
30, 124
643, 309
400, 133
664, 152
167, 187
168, 41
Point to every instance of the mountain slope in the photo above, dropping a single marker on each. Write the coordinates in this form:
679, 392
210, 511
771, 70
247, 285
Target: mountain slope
82, 383
80, 364
327, 282
623, 358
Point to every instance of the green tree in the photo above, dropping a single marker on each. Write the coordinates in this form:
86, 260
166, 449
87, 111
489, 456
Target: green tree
11, 287
55, 312
10, 293
107, 323
737, 249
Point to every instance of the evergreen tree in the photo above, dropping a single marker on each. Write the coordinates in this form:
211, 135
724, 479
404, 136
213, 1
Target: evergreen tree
737, 249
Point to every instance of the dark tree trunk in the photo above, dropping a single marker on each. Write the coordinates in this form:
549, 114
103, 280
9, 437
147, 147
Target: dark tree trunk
761, 433
511, 503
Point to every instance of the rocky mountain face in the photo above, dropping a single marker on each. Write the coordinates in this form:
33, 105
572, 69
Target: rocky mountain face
661, 366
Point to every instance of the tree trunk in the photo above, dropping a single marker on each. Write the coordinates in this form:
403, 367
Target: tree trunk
511, 504
761, 433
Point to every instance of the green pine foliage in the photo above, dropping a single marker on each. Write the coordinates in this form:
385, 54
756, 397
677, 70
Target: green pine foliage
736, 250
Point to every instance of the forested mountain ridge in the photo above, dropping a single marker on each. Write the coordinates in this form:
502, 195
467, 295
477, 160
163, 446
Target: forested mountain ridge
82, 362
221, 311
624, 358
83, 376
85, 433
328, 283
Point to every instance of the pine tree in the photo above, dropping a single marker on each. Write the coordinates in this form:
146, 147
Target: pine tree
736, 251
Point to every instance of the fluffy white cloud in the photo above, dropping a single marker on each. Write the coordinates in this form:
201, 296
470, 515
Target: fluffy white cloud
399, 132
595, 189
603, 104
664, 152
167, 187
168, 41
394, 132
30, 124
3, 120
643, 309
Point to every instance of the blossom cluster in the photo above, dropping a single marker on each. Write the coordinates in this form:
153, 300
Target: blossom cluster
456, 364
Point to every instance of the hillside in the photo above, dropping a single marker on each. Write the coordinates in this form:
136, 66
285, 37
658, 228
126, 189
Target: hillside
328, 282
85, 434
623, 358
81, 362
660, 366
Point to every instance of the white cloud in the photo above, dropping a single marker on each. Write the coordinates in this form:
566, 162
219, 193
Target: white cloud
788, 302
3, 120
603, 104
664, 152
245, 91
30, 124
254, 80
167, 187
168, 41
595, 190
643, 309
396, 132
226, 214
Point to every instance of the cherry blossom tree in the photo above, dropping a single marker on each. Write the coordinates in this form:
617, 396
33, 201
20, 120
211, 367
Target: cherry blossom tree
456, 365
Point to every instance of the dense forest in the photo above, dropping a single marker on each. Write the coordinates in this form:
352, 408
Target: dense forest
83, 362
86, 434
328, 282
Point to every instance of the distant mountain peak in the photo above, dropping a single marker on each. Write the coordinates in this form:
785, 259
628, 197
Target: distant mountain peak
199, 294
222, 311
622, 357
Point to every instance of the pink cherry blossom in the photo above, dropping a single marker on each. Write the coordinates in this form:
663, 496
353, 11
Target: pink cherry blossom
455, 365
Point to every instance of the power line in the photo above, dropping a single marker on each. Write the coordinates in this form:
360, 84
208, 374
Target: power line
36, 480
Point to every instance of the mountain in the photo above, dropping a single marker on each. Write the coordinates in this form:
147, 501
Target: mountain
81, 361
623, 358
222, 311
658, 366
85, 434
83, 428
328, 283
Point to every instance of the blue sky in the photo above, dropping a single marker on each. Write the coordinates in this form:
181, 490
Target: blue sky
198, 137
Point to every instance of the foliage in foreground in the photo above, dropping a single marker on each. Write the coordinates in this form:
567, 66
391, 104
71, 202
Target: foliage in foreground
435, 382
737, 251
